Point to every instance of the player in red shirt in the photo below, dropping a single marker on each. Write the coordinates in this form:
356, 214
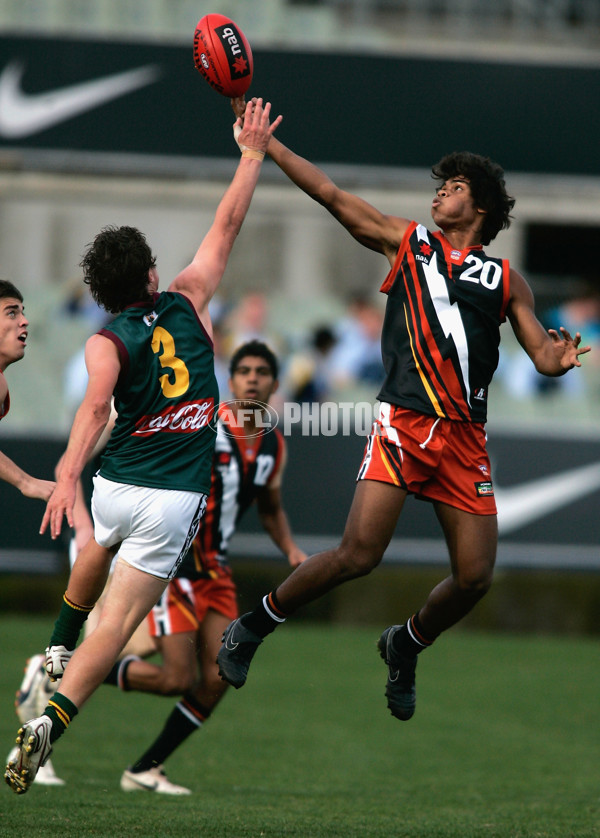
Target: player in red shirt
13, 336
446, 301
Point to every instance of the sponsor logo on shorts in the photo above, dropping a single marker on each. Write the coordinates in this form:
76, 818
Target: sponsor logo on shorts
484, 489
186, 418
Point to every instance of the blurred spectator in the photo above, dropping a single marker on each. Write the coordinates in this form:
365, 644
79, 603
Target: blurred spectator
580, 313
248, 320
80, 304
357, 355
309, 376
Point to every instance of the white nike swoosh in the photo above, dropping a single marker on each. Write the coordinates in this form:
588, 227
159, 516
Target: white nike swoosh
521, 505
231, 647
23, 114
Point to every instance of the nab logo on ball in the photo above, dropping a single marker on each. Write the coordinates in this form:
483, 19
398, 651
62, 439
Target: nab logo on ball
233, 46
222, 55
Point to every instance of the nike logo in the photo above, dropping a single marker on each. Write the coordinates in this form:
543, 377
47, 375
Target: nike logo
231, 647
142, 785
521, 505
23, 114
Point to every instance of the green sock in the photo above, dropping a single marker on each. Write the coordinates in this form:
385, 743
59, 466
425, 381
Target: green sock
62, 711
69, 623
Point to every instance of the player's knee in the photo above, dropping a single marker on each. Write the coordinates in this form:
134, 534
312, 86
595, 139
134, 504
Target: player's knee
475, 581
356, 559
176, 681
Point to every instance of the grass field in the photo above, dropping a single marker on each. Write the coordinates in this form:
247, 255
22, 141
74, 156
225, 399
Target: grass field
505, 742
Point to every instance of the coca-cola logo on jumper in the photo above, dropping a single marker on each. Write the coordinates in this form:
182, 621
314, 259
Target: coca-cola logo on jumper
183, 418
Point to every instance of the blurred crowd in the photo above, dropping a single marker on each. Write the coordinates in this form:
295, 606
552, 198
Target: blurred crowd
338, 357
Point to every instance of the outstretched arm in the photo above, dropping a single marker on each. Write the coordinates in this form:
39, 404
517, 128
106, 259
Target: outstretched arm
552, 353
200, 279
102, 361
30, 487
372, 228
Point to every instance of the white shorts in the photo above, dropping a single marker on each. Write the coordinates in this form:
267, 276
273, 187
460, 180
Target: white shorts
155, 527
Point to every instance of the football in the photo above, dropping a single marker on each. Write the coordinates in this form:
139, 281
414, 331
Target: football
222, 55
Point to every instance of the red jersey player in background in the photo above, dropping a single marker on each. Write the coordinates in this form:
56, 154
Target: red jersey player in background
13, 336
440, 337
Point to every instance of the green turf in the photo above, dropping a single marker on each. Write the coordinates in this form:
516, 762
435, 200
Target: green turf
505, 742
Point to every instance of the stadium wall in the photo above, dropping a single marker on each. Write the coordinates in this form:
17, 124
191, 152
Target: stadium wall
548, 570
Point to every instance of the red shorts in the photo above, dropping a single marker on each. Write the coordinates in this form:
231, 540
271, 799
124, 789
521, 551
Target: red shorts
184, 604
434, 459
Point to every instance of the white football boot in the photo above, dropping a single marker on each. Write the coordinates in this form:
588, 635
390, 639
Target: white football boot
34, 749
31, 700
57, 658
35, 690
46, 775
154, 779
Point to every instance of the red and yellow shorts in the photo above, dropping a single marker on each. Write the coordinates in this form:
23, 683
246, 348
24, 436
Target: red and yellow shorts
184, 604
435, 459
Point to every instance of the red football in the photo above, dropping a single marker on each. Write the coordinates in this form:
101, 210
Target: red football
222, 55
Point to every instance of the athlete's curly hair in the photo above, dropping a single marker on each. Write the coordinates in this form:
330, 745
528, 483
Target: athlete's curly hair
7, 289
256, 349
116, 266
488, 188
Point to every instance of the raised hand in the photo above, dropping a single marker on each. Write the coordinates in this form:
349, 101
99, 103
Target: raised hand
255, 130
567, 348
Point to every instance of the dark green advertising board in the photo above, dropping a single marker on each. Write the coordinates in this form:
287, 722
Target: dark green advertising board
147, 99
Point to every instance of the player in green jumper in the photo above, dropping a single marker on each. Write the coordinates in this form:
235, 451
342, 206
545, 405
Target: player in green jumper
156, 358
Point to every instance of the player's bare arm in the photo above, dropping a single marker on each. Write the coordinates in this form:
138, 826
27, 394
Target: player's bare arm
30, 487
103, 364
373, 229
200, 279
553, 353
10, 472
275, 522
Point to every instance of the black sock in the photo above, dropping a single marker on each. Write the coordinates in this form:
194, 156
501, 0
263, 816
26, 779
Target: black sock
410, 640
266, 616
186, 717
118, 674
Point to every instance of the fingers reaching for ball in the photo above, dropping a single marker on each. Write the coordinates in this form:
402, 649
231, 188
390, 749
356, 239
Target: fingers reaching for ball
257, 129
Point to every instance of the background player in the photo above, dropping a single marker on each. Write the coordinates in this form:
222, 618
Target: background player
13, 340
157, 359
196, 607
446, 301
